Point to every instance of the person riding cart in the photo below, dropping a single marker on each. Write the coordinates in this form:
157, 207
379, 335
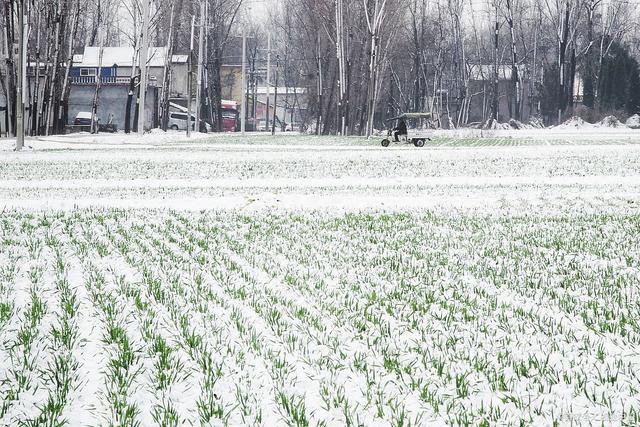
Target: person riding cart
400, 130
418, 136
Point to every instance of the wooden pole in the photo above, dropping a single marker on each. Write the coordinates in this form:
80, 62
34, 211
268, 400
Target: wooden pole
275, 99
54, 75
200, 65
268, 78
190, 79
320, 89
96, 95
21, 78
7, 54
144, 55
166, 84
496, 76
243, 106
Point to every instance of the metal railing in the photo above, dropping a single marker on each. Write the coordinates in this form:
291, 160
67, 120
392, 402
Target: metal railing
106, 80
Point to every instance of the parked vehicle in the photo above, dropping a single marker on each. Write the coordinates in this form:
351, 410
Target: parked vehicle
178, 121
230, 120
83, 122
83, 118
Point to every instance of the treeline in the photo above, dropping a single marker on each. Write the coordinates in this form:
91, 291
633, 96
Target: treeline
365, 61
361, 61
54, 30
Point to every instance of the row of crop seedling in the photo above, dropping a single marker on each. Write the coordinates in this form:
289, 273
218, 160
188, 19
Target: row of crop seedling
123, 365
23, 333
292, 310
161, 291
167, 369
203, 296
60, 375
259, 245
280, 369
8, 271
295, 282
599, 290
222, 263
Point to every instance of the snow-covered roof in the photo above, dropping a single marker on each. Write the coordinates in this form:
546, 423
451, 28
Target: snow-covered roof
180, 59
84, 115
262, 90
123, 57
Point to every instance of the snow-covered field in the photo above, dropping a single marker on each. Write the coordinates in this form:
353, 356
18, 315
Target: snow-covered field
305, 281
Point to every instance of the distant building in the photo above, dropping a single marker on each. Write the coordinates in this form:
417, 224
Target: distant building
292, 101
114, 67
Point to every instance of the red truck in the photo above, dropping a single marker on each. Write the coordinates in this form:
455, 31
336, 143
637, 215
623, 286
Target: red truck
229, 116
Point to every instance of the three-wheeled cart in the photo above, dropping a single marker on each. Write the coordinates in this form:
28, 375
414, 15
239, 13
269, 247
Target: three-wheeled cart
417, 138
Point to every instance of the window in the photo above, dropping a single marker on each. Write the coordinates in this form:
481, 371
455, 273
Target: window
229, 114
179, 116
84, 72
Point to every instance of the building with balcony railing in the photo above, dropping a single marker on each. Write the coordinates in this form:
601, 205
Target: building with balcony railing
111, 69
108, 80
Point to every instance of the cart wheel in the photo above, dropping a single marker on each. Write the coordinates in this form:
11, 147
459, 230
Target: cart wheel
419, 142
385, 142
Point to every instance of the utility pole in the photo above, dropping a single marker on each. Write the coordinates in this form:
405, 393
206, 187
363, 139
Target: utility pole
275, 97
166, 81
190, 79
3, 58
94, 107
8, 53
243, 106
20, 93
200, 64
320, 90
268, 77
50, 125
496, 76
144, 55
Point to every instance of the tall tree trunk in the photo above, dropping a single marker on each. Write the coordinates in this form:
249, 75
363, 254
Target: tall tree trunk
96, 95
10, 67
515, 77
562, 53
166, 81
589, 83
64, 94
495, 105
54, 71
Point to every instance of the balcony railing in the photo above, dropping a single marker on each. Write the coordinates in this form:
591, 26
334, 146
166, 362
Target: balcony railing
111, 80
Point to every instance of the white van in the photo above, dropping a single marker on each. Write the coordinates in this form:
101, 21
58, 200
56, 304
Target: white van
178, 121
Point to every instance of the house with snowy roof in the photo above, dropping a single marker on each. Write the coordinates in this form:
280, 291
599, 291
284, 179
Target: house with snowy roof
112, 68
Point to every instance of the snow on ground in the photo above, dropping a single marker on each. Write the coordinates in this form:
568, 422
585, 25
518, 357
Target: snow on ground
222, 174
329, 281
83, 141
